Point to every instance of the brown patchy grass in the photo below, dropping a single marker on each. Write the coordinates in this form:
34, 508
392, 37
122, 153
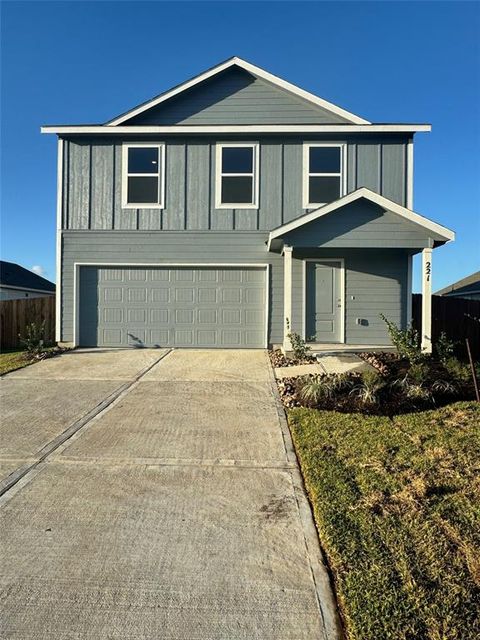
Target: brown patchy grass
12, 360
397, 506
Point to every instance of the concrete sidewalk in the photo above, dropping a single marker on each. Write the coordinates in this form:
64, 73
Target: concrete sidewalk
177, 511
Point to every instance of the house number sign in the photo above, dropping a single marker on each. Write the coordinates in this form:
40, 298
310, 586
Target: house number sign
428, 270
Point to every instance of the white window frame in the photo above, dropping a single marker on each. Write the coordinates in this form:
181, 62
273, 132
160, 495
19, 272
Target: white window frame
342, 174
160, 175
219, 175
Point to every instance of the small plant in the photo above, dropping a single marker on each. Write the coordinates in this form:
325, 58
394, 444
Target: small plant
406, 341
368, 390
444, 387
444, 347
418, 373
300, 348
34, 339
459, 372
312, 390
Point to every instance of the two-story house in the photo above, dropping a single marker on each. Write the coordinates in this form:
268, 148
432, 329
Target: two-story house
231, 207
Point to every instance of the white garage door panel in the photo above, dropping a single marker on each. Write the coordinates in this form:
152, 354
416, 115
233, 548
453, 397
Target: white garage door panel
178, 307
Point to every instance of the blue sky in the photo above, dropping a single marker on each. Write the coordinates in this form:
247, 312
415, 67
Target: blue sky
81, 62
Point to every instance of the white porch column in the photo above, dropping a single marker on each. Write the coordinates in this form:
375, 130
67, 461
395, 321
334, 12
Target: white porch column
427, 300
287, 296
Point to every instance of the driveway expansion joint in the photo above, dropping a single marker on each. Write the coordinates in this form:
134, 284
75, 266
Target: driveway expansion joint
42, 455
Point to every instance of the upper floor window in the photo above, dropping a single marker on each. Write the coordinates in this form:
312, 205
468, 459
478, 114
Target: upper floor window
237, 176
143, 176
323, 173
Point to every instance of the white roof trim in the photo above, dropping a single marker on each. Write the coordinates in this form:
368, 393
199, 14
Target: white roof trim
363, 192
246, 128
254, 70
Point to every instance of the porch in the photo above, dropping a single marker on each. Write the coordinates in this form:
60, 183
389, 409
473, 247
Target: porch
349, 263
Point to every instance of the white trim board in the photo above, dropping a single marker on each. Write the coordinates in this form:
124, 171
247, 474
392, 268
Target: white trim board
58, 247
255, 176
376, 198
342, 292
306, 174
169, 265
160, 175
250, 68
88, 129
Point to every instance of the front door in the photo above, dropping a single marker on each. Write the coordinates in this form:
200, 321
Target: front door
323, 301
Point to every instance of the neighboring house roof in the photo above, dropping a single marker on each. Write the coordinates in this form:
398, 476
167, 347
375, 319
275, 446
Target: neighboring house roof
342, 120
469, 284
14, 276
442, 233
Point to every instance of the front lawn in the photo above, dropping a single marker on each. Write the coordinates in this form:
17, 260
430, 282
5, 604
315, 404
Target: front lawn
397, 506
12, 360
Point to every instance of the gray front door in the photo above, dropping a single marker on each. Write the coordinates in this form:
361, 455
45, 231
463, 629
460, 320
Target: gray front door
323, 301
172, 306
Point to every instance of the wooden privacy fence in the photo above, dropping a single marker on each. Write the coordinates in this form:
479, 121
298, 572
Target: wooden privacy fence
455, 317
15, 315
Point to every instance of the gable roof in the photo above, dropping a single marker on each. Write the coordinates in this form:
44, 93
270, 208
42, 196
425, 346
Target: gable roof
469, 284
14, 275
443, 233
253, 70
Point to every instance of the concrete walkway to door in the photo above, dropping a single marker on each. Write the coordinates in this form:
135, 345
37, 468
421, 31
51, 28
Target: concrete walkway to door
153, 494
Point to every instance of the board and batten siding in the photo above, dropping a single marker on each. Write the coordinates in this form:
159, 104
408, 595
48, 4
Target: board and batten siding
92, 182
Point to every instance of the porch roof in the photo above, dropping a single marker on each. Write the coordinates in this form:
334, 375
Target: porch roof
369, 220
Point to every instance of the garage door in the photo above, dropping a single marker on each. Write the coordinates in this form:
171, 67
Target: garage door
175, 307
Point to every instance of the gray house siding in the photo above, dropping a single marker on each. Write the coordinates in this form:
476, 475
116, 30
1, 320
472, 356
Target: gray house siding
93, 181
375, 280
361, 224
170, 248
236, 97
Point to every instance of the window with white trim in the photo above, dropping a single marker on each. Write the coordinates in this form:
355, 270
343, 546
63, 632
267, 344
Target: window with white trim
237, 176
324, 174
143, 176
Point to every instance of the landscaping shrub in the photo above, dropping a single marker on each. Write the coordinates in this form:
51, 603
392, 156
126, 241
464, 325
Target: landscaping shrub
34, 339
402, 388
369, 388
300, 348
444, 348
406, 341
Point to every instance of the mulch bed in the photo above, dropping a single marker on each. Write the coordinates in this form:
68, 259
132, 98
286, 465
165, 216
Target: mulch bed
392, 401
278, 359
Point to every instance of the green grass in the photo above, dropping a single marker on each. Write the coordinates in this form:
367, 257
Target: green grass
12, 360
397, 507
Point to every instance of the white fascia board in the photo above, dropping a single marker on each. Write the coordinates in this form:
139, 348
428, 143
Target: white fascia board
254, 70
301, 93
376, 198
227, 128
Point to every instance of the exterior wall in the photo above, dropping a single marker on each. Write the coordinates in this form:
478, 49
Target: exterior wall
170, 248
361, 224
16, 294
92, 182
236, 97
375, 280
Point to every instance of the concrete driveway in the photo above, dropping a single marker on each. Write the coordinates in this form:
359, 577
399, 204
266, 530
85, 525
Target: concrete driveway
153, 494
